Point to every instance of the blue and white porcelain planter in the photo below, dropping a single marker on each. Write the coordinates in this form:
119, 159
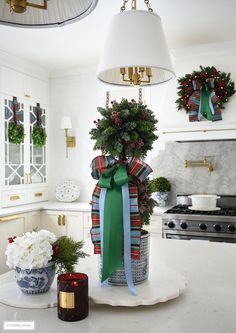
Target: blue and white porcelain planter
36, 280
161, 198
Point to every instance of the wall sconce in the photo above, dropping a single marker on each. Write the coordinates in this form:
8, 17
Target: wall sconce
70, 140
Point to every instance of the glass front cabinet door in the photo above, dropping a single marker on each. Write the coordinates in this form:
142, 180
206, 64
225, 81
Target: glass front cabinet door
24, 178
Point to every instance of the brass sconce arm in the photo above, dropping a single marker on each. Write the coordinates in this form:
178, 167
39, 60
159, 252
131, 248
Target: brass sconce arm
70, 141
199, 163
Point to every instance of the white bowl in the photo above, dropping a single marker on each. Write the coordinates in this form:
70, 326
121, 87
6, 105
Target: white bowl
204, 201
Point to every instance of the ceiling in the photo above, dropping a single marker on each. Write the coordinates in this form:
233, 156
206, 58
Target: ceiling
186, 23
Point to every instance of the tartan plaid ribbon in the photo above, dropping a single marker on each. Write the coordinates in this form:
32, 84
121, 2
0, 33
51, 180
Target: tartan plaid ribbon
137, 170
39, 115
15, 108
204, 102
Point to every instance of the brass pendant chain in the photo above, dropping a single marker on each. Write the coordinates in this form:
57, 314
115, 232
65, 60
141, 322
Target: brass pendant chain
148, 5
133, 5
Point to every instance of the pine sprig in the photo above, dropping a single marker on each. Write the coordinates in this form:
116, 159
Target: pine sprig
67, 254
146, 202
125, 130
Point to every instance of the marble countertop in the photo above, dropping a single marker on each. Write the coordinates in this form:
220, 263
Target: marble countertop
56, 205
207, 305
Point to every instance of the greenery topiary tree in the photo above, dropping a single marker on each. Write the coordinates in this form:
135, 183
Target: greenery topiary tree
125, 130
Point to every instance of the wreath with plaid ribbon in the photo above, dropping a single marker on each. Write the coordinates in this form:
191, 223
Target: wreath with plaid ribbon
204, 92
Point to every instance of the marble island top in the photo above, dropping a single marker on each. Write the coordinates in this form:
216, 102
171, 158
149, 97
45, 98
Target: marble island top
207, 305
62, 206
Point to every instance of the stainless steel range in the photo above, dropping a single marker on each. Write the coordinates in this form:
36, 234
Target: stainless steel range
180, 222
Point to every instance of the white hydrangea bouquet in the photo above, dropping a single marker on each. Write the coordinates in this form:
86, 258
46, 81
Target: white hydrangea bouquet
37, 255
32, 250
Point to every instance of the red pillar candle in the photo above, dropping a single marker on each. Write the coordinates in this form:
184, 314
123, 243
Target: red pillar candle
72, 296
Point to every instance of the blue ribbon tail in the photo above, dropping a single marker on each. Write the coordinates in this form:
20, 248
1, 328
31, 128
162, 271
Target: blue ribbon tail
101, 215
127, 238
211, 105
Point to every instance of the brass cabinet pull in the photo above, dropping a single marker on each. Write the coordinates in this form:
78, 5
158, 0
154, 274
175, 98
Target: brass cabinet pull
63, 220
14, 197
38, 194
29, 179
28, 96
9, 218
59, 220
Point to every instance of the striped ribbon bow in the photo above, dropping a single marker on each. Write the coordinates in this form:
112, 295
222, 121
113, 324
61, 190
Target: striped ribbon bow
115, 199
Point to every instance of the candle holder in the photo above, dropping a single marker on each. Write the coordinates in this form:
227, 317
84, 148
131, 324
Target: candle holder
72, 296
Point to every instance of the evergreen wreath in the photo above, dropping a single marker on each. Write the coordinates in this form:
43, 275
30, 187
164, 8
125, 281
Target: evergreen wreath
16, 133
223, 86
125, 130
39, 136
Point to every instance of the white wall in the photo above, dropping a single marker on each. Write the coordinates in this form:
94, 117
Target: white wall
79, 95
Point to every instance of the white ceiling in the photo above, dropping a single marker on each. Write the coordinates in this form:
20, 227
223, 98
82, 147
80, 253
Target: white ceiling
186, 22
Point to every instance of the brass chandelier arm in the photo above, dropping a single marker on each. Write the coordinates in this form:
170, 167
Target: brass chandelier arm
20, 6
44, 6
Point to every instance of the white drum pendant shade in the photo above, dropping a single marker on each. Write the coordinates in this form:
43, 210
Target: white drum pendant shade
136, 39
58, 13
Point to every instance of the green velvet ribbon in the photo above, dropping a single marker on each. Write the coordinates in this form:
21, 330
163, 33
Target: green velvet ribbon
112, 180
205, 109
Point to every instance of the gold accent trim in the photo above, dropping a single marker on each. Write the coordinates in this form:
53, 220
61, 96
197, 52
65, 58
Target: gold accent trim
66, 300
59, 220
63, 220
38, 194
14, 197
9, 218
28, 96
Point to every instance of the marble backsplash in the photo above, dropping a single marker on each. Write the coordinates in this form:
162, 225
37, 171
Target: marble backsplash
169, 163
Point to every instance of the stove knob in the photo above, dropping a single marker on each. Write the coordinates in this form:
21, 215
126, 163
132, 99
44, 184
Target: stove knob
184, 225
202, 226
171, 225
217, 227
231, 228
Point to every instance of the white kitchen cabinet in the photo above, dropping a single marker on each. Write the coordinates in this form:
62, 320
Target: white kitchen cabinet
32, 221
155, 226
10, 226
87, 224
24, 86
63, 223
52, 221
24, 170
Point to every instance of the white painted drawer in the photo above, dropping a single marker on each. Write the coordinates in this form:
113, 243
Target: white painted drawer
38, 195
13, 198
87, 220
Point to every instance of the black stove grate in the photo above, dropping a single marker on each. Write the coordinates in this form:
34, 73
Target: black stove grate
184, 209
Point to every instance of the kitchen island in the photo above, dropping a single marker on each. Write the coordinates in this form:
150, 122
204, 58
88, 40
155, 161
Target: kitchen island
207, 305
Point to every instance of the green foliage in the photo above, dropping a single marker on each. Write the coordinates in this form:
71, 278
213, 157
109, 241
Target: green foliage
125, 130
146, 202
160, 184
224, 86
39, 136
67, 253
16, 133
